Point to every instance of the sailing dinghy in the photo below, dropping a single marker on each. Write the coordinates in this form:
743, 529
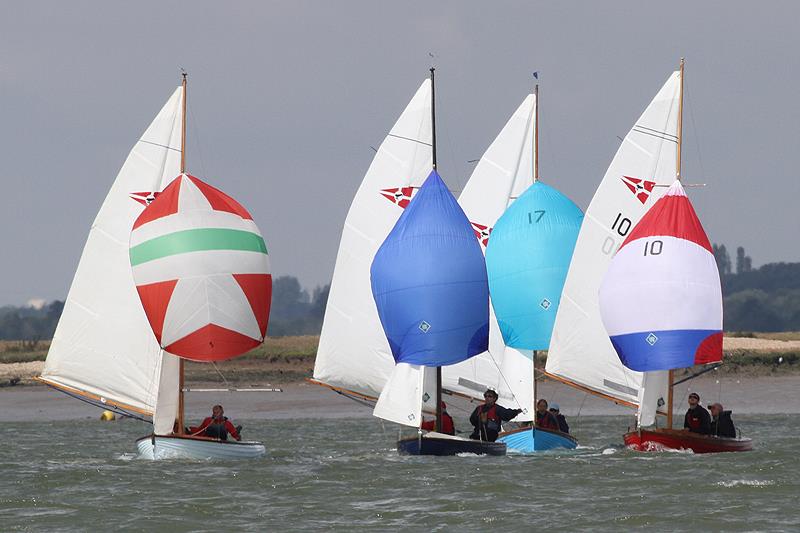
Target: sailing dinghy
661, 303
354, 358
429, 283
581, 353
104, 350
527, 259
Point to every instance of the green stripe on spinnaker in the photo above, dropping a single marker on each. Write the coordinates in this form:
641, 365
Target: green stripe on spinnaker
197, 240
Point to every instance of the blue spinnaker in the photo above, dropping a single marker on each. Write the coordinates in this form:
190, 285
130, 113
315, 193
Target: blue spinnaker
527, 259
429, 282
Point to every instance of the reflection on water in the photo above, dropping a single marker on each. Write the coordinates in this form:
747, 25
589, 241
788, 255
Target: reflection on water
345, 474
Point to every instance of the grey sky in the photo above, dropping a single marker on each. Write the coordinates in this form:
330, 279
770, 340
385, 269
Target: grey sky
287, 97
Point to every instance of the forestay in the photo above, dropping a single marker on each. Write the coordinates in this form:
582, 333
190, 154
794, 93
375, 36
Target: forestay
580, 350
353, 352
103, 348
501, 175
201, 270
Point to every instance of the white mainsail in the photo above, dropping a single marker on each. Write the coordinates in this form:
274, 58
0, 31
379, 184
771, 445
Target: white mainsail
580, 350
353, 351
504, 172
103, 348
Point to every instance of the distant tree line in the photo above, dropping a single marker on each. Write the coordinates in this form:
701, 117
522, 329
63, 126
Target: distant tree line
761, 299
294, 311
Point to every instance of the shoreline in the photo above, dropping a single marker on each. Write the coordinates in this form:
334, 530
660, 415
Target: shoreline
301, 400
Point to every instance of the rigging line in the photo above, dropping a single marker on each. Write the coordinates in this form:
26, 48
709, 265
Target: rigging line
406, 139
506, 381
214, 363
454, 162
696, 133
643, 132
196, 140
655, 131
160, 145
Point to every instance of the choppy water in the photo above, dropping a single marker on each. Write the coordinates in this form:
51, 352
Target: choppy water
345, 474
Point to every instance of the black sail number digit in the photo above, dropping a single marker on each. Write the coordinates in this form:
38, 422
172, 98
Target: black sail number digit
622, 225
653, 247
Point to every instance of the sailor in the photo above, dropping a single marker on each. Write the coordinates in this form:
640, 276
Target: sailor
544, 418
563, 427
448, 426
487, 417
216, 426
697, 419
721, 422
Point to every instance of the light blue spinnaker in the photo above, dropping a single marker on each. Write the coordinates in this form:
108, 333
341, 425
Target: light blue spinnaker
527, 260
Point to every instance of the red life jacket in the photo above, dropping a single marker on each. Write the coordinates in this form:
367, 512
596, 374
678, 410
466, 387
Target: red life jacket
491, 416
693, 420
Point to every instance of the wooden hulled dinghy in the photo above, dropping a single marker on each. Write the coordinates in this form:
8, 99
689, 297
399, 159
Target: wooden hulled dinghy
647, 440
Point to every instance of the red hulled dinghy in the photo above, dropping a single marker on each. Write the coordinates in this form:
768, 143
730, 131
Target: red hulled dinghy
647, 440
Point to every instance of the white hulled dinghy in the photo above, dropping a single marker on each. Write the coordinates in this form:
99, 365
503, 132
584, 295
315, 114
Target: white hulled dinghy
104, 350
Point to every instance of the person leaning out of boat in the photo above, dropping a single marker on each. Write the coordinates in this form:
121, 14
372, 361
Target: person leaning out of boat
216, 426
721, 422
697, 419
488, 417
563, 427
448, 426
544, 418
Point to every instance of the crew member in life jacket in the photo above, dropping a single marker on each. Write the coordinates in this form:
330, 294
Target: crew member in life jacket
448, 426
544, 418
216, 426
563, 427
697, 419
488, 417
721, 422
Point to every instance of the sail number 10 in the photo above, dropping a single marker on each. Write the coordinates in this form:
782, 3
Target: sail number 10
622, 225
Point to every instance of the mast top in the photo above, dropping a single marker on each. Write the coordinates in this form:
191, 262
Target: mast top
433, 118
183, 123
680, 125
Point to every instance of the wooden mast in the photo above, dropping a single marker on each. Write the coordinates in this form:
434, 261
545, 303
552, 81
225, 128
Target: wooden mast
535, 155
433, 149
678, 176
180, 421
536, 134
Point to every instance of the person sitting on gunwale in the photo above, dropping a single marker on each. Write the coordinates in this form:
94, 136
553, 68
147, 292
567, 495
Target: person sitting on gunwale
544, 418
216, 426
448, 426
721, 422
697, 419
488, 416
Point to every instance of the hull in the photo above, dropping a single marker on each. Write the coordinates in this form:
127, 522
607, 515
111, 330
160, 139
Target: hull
532, 440
440, 444
648, 440
157, 447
